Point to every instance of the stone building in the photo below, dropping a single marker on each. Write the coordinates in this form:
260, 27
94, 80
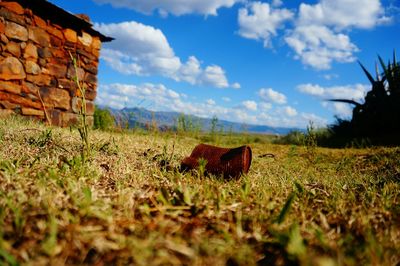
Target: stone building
37, 72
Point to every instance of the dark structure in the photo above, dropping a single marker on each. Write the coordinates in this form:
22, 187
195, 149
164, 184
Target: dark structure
230, 163
37, 74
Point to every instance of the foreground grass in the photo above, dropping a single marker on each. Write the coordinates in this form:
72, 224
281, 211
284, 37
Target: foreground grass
128, 204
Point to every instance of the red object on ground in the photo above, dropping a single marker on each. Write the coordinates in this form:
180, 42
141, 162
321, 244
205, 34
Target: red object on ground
230, 163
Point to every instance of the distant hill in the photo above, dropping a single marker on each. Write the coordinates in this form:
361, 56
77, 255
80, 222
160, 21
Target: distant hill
140, 117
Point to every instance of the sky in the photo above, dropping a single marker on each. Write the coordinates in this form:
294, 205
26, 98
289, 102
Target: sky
273, 63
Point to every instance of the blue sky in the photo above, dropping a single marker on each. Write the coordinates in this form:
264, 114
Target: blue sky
256, 62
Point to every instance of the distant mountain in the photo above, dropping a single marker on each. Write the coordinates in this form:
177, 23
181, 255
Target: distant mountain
141, 117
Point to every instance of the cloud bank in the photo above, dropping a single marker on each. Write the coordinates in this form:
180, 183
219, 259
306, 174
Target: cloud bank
143, 50
319, 34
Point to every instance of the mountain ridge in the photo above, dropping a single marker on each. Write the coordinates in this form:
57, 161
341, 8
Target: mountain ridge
140, 117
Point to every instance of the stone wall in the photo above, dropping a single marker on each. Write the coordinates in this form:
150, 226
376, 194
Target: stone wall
36, 70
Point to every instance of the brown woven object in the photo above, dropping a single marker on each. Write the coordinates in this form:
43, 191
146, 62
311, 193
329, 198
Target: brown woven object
230, 163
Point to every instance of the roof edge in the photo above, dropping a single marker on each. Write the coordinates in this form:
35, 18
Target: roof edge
60, 16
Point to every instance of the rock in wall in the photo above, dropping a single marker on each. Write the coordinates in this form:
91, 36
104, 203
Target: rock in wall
37, 75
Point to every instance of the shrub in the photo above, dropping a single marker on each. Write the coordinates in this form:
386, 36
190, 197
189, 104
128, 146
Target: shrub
377, 119
294, 137
103, 119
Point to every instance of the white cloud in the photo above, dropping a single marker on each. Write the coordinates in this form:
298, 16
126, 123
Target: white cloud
311, 89
250, 105
138, 49
123, 95
148, 50
320, 36
342, 14
341, 109
279, 119
319, 33
265, 106
214, 76
318, 46
158, 98
315, 119
330, 76
190, 71
210, 102
236, 85
289, 111
226, 99
259, 21
143, 50
353, 92
269, 95
175, 7
119, 61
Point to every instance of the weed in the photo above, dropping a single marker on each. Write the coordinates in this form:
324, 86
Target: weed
83, 127
9, 167
44, 139
8, 258
202, 167
109, 147
310, 142
18, 217
286, 208
49, 245
213, 129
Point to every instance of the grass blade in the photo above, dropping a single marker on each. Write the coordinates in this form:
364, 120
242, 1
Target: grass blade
286, 208
8, 258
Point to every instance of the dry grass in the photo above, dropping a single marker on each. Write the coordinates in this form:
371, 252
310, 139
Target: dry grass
128, 205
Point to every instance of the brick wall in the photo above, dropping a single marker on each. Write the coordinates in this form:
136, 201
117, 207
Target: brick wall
36, 71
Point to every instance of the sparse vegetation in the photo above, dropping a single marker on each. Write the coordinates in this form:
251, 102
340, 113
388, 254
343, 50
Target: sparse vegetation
186, 125
129, 204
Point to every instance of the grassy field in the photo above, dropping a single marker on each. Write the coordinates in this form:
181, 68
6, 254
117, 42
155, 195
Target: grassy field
128, 205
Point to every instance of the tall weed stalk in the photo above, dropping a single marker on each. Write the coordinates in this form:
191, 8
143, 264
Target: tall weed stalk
83, 126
